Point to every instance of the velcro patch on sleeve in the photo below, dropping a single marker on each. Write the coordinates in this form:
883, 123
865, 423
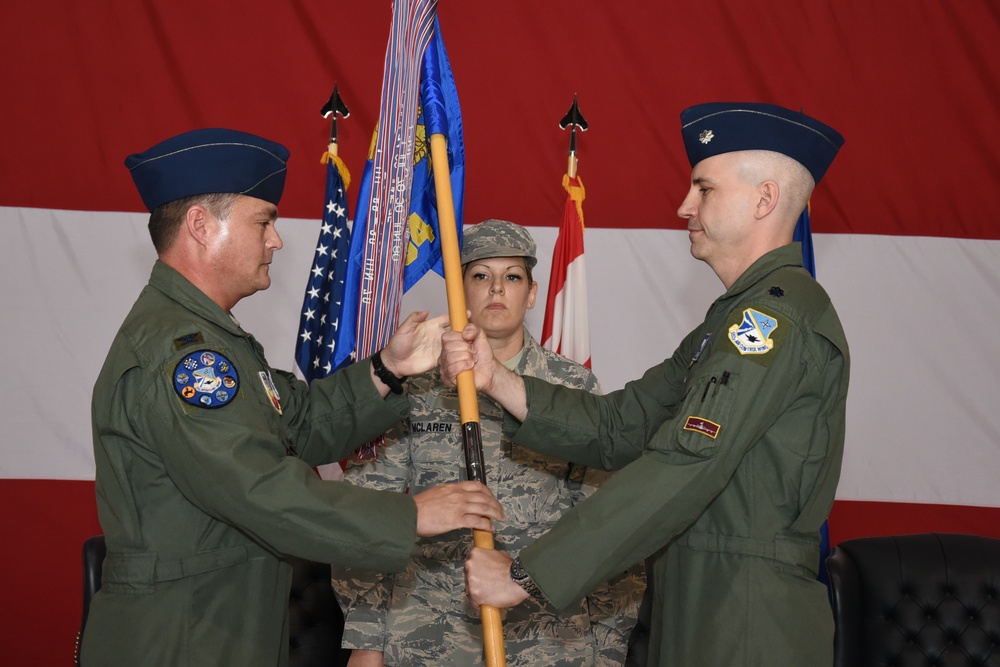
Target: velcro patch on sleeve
206, 379
752, 334
703, 426
190, 339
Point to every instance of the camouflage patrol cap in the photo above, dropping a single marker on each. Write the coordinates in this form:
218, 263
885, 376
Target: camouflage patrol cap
497, 238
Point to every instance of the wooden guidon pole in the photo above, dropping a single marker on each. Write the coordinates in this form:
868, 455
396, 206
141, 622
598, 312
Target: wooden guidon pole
468, 403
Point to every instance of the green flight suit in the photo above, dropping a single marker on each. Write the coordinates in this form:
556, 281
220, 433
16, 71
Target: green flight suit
733, 449
200, 504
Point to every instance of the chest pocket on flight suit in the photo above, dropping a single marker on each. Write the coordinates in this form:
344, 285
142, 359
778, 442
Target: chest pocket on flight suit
706, 414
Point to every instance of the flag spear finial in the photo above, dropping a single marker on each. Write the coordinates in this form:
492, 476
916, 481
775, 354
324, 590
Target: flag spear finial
334, 107
573, 119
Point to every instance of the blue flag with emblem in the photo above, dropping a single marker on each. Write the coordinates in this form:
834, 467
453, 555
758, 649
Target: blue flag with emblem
803, 235
321, 317
438, 112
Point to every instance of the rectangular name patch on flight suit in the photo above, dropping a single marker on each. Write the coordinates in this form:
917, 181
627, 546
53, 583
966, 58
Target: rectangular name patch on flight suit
703, 426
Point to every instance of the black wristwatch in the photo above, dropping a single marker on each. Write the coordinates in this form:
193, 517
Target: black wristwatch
394, 383
523, 579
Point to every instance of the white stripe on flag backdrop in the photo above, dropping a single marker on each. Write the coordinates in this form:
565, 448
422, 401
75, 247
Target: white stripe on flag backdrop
905, 223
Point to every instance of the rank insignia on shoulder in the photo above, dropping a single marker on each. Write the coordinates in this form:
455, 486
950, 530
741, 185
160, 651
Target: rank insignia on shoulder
206, 379
703, 426
752, 335
188, 339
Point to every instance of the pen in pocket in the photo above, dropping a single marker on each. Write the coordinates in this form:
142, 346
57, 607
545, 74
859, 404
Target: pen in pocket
723, 381
708, 385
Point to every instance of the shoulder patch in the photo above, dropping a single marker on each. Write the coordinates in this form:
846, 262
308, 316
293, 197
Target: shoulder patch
206, 379
752, 335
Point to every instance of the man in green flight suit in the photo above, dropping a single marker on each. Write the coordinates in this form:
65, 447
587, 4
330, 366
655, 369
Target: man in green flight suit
730, 450
204, 453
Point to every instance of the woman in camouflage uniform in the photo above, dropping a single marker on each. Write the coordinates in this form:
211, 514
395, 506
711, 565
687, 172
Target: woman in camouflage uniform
423, 616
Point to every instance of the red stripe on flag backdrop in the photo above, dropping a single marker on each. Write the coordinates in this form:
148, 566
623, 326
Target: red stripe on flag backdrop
914, 88
90, 86
54, 517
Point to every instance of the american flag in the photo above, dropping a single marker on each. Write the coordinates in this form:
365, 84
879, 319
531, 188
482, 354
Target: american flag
320, 318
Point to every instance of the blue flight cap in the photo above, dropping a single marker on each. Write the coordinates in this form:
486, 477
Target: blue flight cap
209, 161
724, 127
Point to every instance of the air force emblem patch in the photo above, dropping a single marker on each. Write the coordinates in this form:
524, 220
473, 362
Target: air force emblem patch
206, 379
752, 335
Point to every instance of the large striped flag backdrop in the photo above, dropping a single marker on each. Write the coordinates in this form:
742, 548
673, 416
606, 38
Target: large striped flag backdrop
906, 230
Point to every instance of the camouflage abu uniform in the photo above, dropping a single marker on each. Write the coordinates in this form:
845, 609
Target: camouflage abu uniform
423, 616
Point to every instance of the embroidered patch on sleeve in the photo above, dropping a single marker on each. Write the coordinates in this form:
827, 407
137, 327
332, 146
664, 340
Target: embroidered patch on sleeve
752, 335
703, 426
189, 339
271, 390
206, 379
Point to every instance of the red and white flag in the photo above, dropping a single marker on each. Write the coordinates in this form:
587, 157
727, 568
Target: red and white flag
566, 329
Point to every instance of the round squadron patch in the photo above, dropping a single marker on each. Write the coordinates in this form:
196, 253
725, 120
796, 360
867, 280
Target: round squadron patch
206, 379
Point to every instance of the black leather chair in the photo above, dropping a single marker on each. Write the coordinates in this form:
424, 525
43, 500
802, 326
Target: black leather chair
93, 558
315, 621
916, 600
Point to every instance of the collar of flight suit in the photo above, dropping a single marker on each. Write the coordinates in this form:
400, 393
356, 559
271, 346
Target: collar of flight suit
787, 255
174, 286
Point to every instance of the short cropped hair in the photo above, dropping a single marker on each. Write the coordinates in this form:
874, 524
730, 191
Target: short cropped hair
795, 180
165, 220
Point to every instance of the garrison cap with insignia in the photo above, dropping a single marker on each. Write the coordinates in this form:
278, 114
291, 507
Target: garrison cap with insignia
497, 238
725, 127
208, 161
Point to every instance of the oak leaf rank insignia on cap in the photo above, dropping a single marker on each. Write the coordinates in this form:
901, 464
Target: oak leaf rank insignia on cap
725, 127
206, 379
